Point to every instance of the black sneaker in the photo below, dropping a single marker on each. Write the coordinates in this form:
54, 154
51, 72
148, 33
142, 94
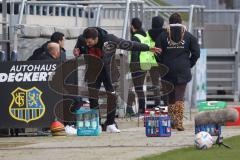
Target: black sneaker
129, 111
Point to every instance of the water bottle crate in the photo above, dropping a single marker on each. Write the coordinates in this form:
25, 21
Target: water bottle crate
87, 122
212, 129
156, 112
158, 126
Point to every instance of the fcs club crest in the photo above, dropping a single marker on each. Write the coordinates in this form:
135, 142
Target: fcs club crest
26, 105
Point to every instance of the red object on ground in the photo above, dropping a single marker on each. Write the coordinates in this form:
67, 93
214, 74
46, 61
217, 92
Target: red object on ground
56, 126
237, 123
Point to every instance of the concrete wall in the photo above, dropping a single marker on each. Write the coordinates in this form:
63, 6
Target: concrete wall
37, 30
56, 21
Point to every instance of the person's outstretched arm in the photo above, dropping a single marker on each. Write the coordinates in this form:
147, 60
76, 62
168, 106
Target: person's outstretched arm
131, 45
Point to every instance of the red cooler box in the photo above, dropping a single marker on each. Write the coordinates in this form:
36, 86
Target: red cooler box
237, 123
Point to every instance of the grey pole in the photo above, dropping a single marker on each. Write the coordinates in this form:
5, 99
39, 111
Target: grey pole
236, 94
4, 26
12, 23
21, 11
98, 16
123, 58
125, 25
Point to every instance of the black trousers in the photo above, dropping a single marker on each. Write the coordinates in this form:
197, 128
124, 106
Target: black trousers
93, 89
177, 94
138, 81
77, 100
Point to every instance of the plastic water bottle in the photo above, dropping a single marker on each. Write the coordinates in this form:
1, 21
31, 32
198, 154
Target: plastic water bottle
80, 121
157, 119
94, 121
87, 120
152, 113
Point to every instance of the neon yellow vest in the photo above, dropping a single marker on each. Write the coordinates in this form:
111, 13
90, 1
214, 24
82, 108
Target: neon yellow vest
152, 43
147, 58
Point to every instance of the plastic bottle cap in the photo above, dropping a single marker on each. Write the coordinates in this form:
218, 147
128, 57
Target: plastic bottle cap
152, 113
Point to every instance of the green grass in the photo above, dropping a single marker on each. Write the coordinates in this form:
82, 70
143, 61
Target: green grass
191, 153
161, 3
185, 16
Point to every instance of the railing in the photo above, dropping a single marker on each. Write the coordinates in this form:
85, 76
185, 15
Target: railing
111, 9
165, 11
116, 10
237, 60
4, 41
78, 9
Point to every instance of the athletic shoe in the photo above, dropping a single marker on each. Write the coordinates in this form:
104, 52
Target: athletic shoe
112, 129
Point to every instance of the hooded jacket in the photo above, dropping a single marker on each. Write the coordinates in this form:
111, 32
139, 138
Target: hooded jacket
108, 43
179, 55
156, 30
157, 27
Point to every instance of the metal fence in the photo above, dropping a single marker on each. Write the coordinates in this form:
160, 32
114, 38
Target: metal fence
195, 16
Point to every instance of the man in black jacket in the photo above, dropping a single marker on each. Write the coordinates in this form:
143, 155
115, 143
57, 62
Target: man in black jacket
43, 54
180, 52
97, 43
52, 52
56, 37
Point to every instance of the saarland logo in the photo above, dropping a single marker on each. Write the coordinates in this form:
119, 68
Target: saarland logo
26, 105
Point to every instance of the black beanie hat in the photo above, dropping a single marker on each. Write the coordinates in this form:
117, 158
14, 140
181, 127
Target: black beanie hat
157, 22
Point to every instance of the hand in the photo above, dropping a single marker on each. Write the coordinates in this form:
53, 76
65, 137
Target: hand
156, 50
76, 52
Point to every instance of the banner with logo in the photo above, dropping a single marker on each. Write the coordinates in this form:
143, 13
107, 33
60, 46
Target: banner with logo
201, 77
25, 97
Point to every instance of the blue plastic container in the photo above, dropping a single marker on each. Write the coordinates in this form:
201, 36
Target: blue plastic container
158, 126
87, 122
212, 129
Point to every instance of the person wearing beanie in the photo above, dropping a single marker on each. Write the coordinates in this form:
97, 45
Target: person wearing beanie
157, 28
141, 63
159, 70
180, 52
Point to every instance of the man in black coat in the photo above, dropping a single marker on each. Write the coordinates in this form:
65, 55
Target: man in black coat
56, 37
97, 43
180, 52
43, 54
52, 52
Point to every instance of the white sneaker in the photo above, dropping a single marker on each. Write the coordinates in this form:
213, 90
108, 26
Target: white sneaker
112, 129
70, 130
100, 129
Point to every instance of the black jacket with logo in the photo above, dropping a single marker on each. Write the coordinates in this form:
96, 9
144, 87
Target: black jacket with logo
178, 57
108, 43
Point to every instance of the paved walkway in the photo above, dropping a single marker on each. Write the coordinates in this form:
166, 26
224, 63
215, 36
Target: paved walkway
130, 144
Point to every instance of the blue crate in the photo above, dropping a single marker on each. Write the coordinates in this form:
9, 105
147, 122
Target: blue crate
158, 126
87, 122
212, 129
